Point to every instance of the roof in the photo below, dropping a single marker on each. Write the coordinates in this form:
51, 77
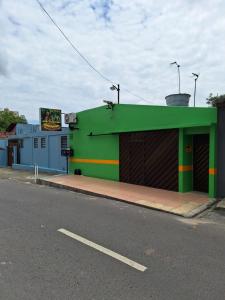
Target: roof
129, 117
3, 134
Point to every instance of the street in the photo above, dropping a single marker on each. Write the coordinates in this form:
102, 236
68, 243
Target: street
179, 258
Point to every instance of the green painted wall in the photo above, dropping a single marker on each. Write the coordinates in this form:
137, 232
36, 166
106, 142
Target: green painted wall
105, 125
126, 118
197, 130
95, 147
185, 159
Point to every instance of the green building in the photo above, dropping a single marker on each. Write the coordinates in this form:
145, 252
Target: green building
165, 147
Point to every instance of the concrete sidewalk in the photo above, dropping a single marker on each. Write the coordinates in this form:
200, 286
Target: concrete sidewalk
19, 175
183, 204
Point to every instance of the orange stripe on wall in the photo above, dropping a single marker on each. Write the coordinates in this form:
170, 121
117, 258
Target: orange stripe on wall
95, 161
185, 168
212, 171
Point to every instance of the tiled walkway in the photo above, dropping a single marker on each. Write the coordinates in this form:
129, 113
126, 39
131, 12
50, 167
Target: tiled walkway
184, 204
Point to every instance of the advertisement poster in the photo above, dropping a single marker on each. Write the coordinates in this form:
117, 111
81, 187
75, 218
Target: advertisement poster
50, 119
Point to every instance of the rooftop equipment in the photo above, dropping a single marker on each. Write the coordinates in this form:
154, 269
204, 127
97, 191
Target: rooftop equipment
180, 99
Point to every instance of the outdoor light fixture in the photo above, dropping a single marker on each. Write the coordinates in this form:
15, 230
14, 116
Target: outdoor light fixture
109, 103
195, 78
113, 88
178, 70
116, 88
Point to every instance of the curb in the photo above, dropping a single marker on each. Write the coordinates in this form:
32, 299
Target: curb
191, 214
197, 211
220, 205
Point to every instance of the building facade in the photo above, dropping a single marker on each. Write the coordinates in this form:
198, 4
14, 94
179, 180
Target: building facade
29, 146
172, 148
3, 152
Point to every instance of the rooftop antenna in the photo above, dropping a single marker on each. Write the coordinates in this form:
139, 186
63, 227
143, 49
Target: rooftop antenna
178, 70
195, 78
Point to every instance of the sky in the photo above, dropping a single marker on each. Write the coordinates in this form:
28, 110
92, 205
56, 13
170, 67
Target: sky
132, 42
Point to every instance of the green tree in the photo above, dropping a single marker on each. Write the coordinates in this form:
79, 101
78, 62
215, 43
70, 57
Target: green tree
214, 100
8, 117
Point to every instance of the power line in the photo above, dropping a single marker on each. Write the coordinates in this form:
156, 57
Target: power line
80, 54
72, 45
135, 95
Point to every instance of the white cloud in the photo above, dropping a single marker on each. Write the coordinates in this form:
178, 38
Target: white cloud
3, 56
131, 42
3, 64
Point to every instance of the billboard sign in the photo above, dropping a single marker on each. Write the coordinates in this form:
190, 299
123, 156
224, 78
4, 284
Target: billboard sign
50, 119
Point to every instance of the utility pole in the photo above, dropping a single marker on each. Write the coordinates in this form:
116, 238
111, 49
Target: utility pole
195, 78
116, 88
118, 91
178, 70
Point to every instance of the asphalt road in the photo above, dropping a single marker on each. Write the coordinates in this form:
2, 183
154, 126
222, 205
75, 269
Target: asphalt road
185, 259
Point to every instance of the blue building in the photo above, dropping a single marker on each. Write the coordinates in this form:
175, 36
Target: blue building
3, 152
27, 145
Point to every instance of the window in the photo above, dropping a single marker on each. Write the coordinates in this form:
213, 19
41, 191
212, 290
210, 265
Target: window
43, 142
63, 142
35, 142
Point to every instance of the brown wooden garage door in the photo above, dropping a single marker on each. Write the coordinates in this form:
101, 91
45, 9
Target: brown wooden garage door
201, 163
150, 158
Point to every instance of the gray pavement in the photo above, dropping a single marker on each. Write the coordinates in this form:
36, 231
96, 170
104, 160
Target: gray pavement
21, 175
184, 257
215, 214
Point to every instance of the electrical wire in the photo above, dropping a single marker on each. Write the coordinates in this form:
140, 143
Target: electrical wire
135, 95
80, 54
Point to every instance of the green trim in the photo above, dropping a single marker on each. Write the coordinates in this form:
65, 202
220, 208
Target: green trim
185, 159
197, 130
185, 138
180, 160
212, 161
187, 130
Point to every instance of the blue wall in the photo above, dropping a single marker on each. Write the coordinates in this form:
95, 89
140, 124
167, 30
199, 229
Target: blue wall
48, 157
26, 155
26, 129
3, 153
